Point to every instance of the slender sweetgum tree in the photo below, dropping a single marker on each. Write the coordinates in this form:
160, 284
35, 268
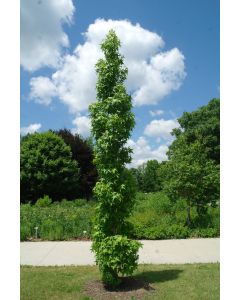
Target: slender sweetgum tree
112, 123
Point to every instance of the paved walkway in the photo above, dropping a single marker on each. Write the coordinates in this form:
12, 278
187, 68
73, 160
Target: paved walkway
153, 252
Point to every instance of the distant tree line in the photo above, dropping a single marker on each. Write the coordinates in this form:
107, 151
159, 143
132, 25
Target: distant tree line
60, 164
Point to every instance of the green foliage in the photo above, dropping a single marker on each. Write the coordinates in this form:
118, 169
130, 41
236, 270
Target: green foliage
25, 232
163, 232
58, 221
116, 255
47, 168
44, 201
52, 230
203, 125
192, 171
112, 122
150, 177
138, 177
154, 216
192, 176
82, 153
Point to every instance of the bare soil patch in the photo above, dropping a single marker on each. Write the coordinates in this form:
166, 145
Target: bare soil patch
130, 288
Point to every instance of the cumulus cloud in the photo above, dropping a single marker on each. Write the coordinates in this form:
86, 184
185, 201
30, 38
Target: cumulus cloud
154, 113
161, 129
30, 129
152, 73
42, 35
161, 76
42, 90
142, 152
82, 126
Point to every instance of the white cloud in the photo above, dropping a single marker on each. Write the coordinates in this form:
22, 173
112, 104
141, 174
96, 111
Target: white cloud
161, 129
154, 113
30, 129
42, 35
42, 90
152, 74
137, 42
82, 126
161, 76
142, 152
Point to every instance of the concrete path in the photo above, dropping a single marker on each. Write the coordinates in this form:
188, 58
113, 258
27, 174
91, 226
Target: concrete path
153, 252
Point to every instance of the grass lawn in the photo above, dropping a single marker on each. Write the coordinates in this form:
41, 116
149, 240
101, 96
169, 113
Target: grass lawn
187, 282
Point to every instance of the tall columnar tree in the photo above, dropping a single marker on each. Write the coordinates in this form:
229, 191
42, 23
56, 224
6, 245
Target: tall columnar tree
112, 122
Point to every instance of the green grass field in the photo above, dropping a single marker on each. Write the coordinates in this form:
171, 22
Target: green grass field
170, 282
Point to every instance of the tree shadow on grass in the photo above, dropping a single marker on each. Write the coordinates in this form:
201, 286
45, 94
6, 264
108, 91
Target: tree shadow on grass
145, 279
135, 287
158, 276
130, 284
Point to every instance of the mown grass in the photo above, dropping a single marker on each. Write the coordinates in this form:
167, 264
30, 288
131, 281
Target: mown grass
170, 282
154, 217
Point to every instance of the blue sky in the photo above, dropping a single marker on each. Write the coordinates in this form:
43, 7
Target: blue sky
172, 55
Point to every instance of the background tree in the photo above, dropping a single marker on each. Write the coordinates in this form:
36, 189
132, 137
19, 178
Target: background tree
137, 174
191, 176
202, 125
150, 177
193, 168
82, 152
161, 174
47, 168
112, 122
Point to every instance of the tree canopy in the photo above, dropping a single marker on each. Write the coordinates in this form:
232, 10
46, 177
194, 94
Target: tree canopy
47, 168
202, 125
82, 152
192, 171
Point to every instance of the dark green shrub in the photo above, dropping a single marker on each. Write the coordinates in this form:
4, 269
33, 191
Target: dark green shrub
66, 203
176, 231
45, 201
205, 232
161, 232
